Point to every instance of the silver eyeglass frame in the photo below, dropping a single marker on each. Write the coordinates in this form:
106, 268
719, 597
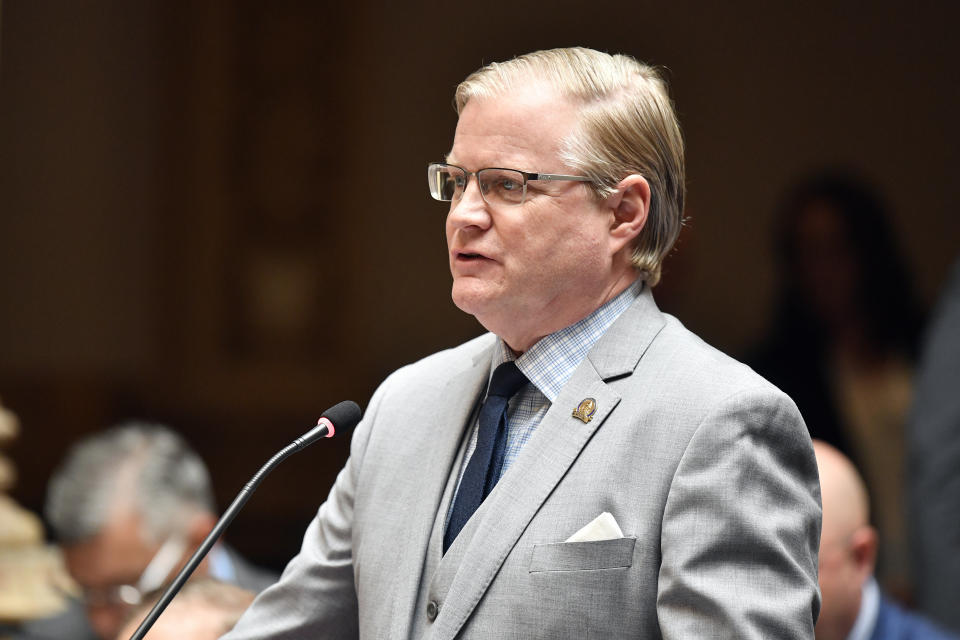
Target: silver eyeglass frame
528, 176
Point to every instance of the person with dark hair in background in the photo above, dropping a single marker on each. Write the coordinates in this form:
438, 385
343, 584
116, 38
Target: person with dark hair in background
854, 607
844, 338
128, 506
933, 445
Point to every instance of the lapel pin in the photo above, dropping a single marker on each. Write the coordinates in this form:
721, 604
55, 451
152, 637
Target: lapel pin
585, 410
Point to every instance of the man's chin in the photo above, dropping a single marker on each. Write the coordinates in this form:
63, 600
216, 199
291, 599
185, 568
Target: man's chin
466, 304
476, 300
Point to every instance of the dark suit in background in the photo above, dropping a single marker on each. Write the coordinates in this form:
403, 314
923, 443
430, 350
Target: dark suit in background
894, 623
933, 441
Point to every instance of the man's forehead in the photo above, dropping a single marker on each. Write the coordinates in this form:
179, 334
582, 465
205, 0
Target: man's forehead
473, 157
518, 131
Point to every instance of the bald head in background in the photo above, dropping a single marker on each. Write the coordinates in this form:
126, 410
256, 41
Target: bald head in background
848, 544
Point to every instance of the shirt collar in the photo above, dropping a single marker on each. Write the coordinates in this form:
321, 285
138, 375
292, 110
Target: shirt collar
550, 363
221, 566
869, 610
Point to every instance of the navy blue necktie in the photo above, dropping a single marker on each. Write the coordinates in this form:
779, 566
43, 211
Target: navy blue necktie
486, 463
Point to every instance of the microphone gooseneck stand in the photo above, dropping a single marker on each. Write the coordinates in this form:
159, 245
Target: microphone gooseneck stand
344, 415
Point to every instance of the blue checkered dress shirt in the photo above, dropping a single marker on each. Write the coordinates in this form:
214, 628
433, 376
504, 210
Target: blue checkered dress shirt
548, 365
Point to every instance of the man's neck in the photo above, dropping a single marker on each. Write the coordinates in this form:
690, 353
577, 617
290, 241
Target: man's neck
520, 343
549, 363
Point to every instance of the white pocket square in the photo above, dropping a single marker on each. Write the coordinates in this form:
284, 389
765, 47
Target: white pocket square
603, 527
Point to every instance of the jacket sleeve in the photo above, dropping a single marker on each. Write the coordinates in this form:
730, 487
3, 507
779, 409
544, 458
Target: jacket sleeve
741, 526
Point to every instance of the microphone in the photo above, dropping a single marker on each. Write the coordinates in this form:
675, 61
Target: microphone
343, 416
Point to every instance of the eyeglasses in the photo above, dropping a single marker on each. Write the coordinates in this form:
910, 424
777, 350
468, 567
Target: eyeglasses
498, 187
161, 565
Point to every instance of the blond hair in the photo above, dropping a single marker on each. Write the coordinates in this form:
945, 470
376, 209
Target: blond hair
627, 125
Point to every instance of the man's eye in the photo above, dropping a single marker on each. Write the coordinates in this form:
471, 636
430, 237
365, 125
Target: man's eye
510, 185
459, 181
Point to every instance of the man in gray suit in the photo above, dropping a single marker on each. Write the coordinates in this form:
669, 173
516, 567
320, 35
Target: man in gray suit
589, 468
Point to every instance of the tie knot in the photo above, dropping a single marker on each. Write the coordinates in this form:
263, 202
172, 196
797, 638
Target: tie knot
507, 380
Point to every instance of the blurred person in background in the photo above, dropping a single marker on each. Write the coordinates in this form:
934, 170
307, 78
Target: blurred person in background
933, 471
844, 338
205, 610
128, 506
854, 608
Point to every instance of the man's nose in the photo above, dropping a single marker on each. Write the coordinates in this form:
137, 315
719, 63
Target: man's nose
470, 210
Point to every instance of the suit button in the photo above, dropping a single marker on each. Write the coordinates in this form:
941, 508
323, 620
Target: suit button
432, 610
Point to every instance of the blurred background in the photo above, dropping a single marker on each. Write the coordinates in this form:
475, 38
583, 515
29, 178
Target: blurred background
214, 214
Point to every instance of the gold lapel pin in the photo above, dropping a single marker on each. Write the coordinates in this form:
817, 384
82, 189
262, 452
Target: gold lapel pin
585, 410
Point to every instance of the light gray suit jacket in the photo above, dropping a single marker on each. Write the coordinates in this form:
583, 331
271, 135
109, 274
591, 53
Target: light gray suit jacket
707, 468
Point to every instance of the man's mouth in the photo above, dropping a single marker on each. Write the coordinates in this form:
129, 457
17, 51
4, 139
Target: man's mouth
469, 256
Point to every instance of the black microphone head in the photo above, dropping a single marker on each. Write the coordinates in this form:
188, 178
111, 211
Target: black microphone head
344, 415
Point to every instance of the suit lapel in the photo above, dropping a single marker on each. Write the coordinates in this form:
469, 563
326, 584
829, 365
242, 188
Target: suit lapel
619, 351
495, 528
438, 451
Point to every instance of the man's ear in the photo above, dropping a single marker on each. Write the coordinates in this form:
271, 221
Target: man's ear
863, 547
630, 205
196, 528
199, 525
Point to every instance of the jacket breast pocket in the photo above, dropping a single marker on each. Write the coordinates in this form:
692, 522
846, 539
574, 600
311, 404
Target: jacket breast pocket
583, 556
